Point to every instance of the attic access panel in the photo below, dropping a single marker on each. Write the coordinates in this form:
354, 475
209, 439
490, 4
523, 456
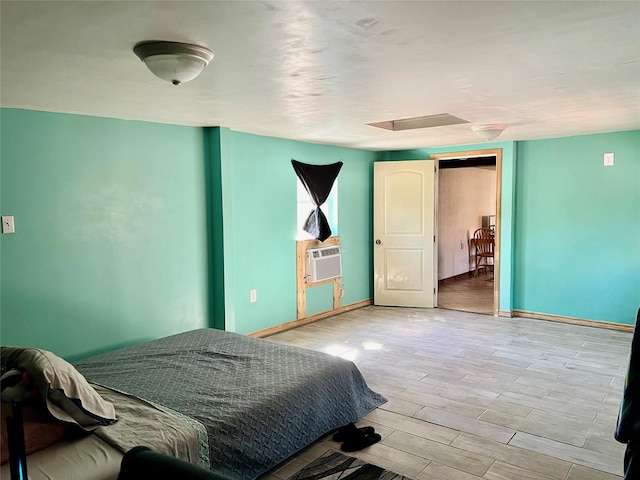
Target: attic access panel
428, 121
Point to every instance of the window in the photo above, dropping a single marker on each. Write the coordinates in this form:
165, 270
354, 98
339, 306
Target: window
305, 206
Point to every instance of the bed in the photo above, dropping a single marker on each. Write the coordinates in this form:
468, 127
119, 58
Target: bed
234, 404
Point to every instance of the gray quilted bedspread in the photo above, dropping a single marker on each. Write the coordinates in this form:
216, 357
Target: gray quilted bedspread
259, 401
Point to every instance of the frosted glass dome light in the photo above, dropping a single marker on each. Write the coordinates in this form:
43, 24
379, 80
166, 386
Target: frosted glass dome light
174, 62
489, 132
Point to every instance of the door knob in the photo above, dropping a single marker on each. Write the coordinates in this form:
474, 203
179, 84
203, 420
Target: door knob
378, 242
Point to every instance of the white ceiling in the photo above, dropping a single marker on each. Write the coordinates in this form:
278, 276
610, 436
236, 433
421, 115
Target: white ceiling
320, 71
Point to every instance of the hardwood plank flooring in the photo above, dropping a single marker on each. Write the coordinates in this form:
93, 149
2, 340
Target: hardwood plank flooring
473, 396
467, 293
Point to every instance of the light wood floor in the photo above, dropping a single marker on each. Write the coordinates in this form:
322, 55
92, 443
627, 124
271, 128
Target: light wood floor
468, 293
474, 396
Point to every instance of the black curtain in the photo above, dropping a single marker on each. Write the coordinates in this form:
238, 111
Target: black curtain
317, 180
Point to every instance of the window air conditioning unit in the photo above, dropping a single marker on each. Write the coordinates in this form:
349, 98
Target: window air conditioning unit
323, 264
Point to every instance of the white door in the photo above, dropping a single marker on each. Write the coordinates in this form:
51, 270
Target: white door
403, 229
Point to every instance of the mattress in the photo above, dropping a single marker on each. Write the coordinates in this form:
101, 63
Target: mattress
88, 458
97, 456
253, 402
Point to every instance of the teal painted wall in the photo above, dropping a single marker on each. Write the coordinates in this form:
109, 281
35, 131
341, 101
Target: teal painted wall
259, 203
213, 137
507, 207
110, 245
129, 231
577, 244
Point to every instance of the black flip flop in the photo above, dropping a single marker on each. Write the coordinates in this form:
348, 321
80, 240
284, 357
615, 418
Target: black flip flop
363, 440
348, 431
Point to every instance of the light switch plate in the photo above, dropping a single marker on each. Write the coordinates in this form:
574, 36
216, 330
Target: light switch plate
608, 159
7, 224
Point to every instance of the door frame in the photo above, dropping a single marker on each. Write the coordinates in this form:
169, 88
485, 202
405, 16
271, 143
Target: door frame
496, 258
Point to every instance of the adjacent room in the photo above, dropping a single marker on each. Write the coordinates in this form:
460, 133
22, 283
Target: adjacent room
466, 234
314, 237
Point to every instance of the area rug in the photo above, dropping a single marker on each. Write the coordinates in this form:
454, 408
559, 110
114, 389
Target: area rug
335, 466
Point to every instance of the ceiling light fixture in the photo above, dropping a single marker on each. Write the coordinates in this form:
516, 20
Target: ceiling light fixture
173, 61
489, 132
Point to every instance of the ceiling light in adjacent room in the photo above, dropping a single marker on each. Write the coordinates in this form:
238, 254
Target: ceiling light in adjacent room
173, 61
489, 132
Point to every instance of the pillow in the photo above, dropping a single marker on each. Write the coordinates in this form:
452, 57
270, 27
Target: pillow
40, 430
67, 394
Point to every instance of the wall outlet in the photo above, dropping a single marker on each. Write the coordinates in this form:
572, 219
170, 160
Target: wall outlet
608, 159
7, 224
253, 295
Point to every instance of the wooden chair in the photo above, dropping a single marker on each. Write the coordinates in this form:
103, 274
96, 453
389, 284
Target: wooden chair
484, 240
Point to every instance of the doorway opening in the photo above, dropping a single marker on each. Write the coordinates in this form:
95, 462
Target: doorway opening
467, 222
